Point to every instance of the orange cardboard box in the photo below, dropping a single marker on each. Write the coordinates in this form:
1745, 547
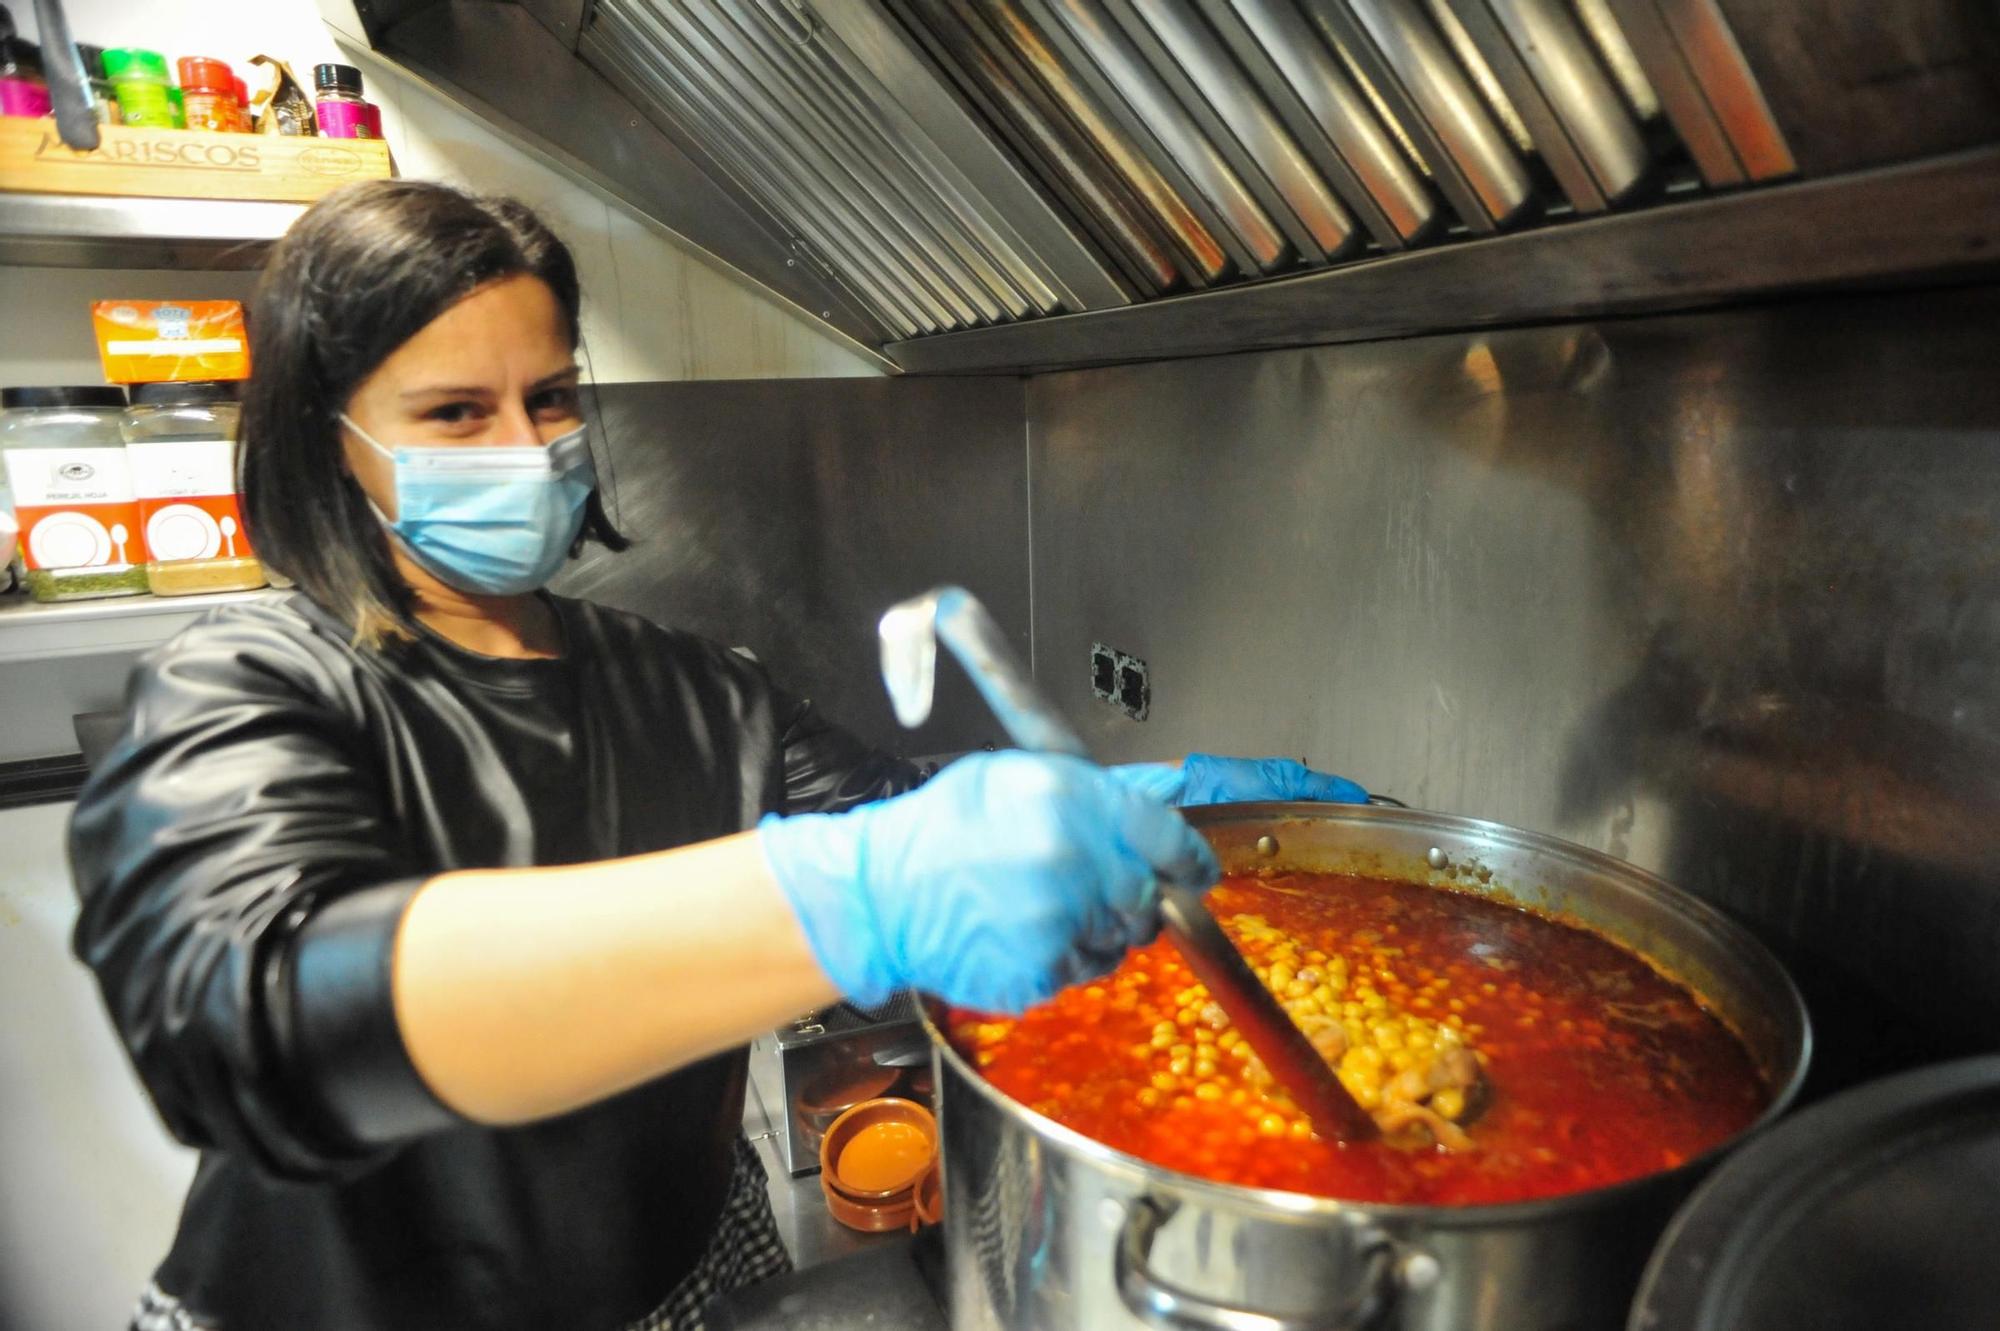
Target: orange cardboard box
158, 341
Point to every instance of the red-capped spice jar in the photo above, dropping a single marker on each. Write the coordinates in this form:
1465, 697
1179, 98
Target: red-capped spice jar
208, 93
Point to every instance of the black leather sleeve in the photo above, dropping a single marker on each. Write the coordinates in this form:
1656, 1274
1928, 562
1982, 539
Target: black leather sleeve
245, 851
240, 888
827, 770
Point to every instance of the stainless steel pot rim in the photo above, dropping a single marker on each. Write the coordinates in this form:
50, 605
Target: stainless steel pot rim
1305, 1206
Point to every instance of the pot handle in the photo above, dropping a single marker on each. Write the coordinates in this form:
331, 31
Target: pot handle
1159, 1302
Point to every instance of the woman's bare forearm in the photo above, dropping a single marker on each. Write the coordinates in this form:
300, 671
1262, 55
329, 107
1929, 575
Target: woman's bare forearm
522, 993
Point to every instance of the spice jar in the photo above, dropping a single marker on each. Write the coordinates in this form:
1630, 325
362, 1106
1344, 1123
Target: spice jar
103, 96
145, 93
182, 442
208, 94
342, 111
22, 89
80, 534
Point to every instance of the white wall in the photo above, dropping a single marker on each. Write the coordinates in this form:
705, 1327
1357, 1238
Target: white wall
653, 309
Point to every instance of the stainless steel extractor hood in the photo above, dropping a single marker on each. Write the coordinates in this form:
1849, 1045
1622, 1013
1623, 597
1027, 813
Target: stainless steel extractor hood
1006, 184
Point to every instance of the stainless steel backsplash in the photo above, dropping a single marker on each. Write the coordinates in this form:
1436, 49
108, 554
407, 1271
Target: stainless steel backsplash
1718, 593
786, 515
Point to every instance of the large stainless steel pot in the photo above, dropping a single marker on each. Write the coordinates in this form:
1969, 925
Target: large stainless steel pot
1047, 1229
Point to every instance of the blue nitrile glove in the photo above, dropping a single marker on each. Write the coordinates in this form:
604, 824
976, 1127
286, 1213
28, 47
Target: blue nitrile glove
1205, 778
1005, 878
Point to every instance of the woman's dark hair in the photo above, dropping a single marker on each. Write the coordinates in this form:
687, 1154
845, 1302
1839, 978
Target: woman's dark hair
358, 275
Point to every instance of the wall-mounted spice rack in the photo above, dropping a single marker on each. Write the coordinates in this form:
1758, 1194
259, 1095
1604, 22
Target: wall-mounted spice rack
184, 163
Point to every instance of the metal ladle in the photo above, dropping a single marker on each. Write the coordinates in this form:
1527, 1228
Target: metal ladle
910, 634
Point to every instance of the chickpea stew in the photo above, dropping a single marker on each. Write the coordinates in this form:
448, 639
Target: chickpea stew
1505, 1055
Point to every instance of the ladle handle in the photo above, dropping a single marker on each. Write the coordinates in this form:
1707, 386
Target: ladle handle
963, 624
69, 83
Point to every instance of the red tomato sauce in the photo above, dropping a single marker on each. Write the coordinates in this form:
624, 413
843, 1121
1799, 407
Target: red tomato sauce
1597, 1068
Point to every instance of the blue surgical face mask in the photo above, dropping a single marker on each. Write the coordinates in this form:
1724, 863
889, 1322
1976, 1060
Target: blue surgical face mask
496, 519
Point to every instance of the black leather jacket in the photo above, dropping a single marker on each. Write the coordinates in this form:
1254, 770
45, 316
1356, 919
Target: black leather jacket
243, 855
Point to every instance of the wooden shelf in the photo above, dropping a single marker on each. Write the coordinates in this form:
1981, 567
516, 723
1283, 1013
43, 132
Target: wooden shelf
164, 198
133, 162
33, 631
86, 231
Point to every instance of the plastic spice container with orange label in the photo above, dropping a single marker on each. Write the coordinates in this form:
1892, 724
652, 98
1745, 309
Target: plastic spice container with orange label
181, 439
72, 491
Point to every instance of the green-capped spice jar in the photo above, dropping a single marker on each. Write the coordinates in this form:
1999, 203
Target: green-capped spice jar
146, 93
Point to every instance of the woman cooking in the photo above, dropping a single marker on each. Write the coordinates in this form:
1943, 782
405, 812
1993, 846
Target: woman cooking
431, 906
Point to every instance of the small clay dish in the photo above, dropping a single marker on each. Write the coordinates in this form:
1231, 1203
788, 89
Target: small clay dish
876, 1151
928, 1200
869, 1218
835, 1090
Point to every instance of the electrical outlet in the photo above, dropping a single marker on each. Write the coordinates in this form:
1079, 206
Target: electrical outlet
1121, 679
